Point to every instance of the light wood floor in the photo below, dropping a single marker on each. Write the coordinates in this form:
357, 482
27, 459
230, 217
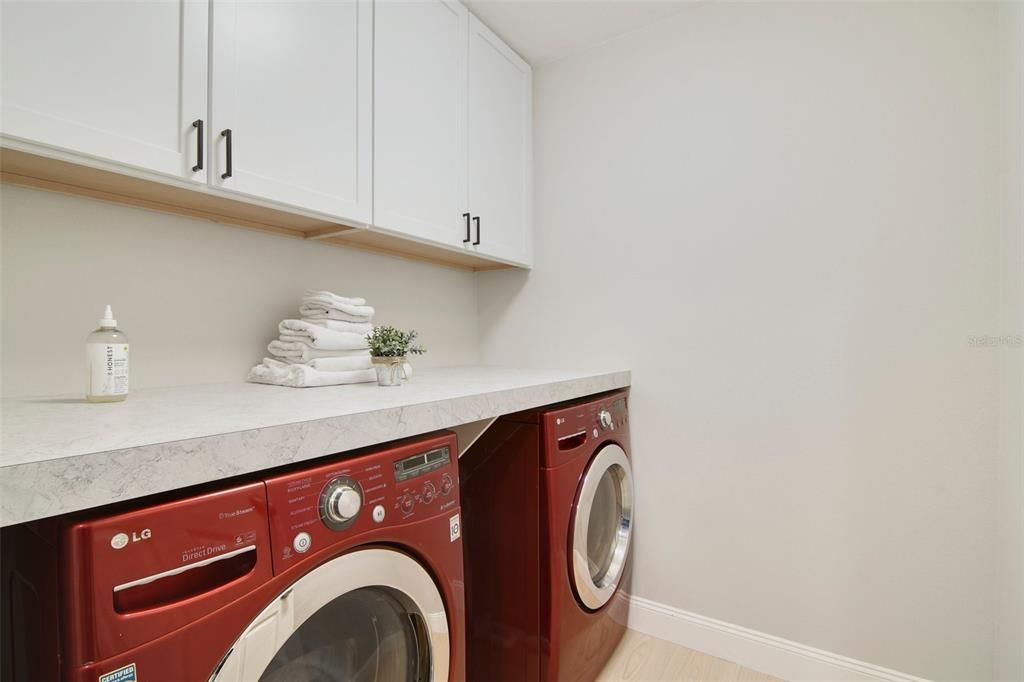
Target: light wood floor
644, 658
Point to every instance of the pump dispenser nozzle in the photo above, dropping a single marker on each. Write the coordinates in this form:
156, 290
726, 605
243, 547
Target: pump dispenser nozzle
108, 321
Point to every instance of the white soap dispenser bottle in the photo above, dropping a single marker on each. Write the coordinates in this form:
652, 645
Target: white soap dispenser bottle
106, 355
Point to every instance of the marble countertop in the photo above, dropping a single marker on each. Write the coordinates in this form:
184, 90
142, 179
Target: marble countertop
61, 454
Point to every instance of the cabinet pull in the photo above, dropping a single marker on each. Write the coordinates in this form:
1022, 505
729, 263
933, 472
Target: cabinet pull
468, 238
226, 134
476, 221
198, 125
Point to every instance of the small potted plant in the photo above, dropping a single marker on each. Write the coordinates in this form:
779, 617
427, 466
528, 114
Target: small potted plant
388, 349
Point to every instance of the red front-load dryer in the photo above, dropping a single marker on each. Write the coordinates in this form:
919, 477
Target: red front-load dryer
349, 570
548, 504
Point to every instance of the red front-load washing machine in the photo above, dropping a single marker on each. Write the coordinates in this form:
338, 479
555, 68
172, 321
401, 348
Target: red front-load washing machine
548, 504
349, 570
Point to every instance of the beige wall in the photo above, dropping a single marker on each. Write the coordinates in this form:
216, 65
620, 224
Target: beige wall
199, 301
784, 219
1010, 618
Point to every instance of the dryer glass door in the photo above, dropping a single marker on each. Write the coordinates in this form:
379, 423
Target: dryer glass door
602, 526
374, 615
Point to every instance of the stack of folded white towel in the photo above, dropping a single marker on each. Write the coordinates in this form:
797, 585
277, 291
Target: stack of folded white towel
327, 347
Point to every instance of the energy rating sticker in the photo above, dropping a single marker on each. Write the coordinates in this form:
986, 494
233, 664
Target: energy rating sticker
454, 528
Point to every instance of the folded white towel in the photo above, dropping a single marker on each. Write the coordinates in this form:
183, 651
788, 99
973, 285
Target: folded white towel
330, 297
320, 303
342, 364
343, 325
320, 337
315, 311
298, 351
272, 371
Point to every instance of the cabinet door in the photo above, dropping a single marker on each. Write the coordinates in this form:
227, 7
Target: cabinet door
117, 81
499, 145
291, 81
419, 183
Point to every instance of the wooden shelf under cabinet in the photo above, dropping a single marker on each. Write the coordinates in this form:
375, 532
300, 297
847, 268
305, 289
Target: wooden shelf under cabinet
31, 170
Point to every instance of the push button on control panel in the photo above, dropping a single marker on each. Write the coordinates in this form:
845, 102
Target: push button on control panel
378, 513
302, 542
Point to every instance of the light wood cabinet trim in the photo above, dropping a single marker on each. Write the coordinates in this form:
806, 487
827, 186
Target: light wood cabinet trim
23, 168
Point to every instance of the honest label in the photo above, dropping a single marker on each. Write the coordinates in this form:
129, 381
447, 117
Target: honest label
108, 368
125, 674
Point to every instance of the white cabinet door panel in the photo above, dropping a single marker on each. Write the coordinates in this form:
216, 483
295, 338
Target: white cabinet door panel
292, 80
499, 120
118, 81
420, 118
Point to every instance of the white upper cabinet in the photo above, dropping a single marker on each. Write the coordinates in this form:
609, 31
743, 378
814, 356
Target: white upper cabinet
420, 119
406, 117
117, 81
291, 103
452, 121
500, 146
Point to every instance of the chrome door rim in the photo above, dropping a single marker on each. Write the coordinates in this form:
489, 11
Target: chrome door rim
595, 595
346, 573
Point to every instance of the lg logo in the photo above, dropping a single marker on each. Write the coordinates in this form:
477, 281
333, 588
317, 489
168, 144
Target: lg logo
121, 540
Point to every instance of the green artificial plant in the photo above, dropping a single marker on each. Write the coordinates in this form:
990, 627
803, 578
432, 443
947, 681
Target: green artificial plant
388, 342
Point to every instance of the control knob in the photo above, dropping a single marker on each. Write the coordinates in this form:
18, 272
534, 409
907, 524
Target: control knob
604, 418
343, 504
340, 503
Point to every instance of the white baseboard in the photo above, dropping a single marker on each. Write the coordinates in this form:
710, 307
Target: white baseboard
752, 649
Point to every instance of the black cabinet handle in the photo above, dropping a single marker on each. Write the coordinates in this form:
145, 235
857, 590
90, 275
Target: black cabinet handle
226, 134
476, 220
468, 238
198, 125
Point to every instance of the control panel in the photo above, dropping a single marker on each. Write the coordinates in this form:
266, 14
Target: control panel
425, 481
591, 418
568, 429
320, 507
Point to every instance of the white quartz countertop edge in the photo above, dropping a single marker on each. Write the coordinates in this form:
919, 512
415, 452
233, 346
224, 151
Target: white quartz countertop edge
61, 455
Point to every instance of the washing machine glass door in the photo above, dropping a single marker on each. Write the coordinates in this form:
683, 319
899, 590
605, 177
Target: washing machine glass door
374, 615
602, 526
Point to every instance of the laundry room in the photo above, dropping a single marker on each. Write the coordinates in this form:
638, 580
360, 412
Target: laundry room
511, 340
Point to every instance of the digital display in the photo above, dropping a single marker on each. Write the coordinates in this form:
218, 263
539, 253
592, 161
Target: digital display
424, 463
410, 463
